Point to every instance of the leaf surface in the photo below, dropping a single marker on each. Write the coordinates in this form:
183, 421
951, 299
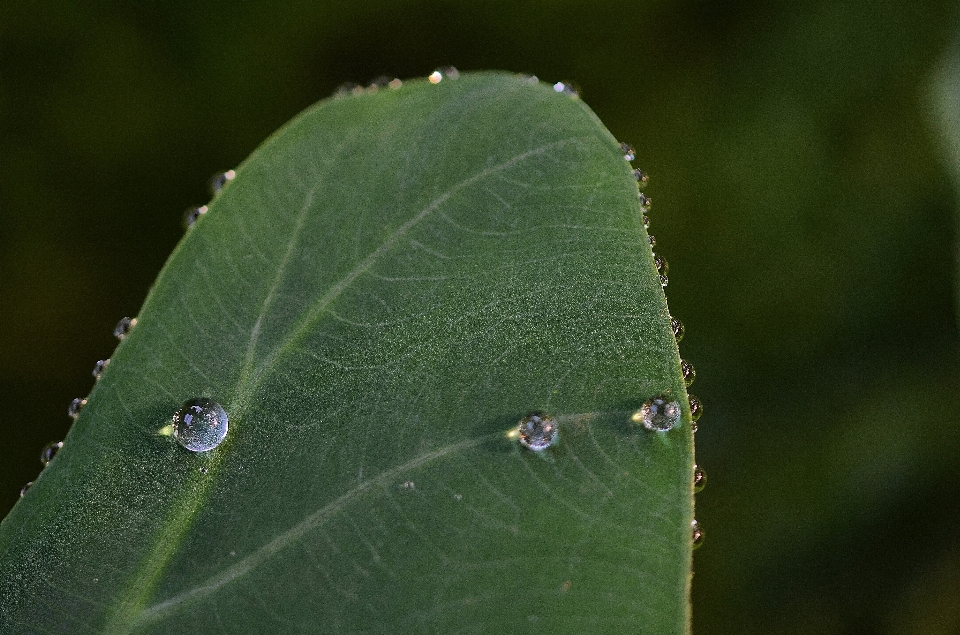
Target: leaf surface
390, 283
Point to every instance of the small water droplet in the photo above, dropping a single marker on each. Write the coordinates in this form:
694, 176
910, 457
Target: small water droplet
49, 451
200, 424
688, 371
192, 214
346, 89
204, 470
646, 222
567, 88
379, 82
699, 479
458, 497
697, 533
664, 280
435, 77
530, 79
123, 327
24, 489
658, 414
219, 181
99, 367
395, 83
652, 240
661, 263
450, 72
628, 152
696, 408
73, 410
645, 201
538, 431
408, 485
677, 327
640, 176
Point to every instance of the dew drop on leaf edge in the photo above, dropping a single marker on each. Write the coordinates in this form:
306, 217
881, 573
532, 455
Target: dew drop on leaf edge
48, 452
688, 371
538, 431
99, 367
699, 478
696, 533
658, 414
200, 424
123, 327
73, 410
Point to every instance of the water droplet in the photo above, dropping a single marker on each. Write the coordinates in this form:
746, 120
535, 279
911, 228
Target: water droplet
530, 79
200, 424
219, 181
346, 89
99, 367
699, 479
538, 431
652, 240
191, 214
394, 83
677, 327
658, 414
25, 488
204, 470
408, 485
458, 497
379, 82
697, 533
664, 280
628, 152
645, 201
646, 222
696, 408
123, 327
567, 88
640, 176
73, 410
48, 452
661, 263
435, 77
688, 371
450, 72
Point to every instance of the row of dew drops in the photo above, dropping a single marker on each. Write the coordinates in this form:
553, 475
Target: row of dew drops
538, 430
201, 424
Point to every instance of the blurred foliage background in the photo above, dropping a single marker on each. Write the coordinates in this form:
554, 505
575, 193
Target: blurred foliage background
800, 193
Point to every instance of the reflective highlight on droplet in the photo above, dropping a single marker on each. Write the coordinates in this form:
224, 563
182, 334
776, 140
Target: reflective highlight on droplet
658, 413
628, 152
49, 451
696, 533
538, 431
200, 424
123, 327
688, 371
73, 410
99, 367
566, 88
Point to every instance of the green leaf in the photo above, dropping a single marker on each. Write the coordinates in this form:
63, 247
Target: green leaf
387, 287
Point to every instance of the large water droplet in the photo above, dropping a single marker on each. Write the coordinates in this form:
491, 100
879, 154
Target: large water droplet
658, 413
48, 452
538, 431
73, 410
677, 327
628, 152
219, 181
191, 214
699, 478
99, 367
200, 424
697, 533
688, 371
696, 408
25, 488
123, 327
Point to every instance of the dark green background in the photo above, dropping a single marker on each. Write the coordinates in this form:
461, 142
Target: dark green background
799, 196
